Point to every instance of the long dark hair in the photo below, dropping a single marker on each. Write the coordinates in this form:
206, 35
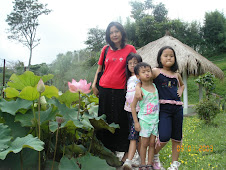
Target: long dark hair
121, 29
128, 58
174, 67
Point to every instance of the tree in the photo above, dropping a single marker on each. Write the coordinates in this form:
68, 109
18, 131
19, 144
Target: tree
194, 36
130, 28
214, 32
95, 39
160, 13
139, 9
23, 22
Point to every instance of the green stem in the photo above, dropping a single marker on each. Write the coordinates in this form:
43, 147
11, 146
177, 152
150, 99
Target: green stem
21, 160
73, 145
39, 132
39, 123
91, 141
64, 144
55, 147
78, 105
35, 120
50, 137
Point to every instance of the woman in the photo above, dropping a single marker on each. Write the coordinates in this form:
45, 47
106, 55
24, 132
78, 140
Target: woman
112, 88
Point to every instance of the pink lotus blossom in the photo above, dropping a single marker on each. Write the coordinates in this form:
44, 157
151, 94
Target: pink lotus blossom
81, 86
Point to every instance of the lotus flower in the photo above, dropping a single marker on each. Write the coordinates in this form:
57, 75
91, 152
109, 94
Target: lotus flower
41, 86
59, 120
80, 86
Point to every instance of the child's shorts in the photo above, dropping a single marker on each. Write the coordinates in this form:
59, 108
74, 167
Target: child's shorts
148, 129
133, 134
170, 122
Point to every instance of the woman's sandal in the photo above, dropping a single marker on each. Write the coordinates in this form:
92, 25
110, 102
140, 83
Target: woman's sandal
143, 167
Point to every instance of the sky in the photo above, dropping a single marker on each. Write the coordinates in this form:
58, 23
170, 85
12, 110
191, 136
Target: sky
66, 27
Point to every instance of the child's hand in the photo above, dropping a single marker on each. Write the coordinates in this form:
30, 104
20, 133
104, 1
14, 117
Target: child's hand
179, 91
137, 126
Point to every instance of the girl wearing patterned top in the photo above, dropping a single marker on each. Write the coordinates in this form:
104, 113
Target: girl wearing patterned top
131, 61
170, 87
148, 114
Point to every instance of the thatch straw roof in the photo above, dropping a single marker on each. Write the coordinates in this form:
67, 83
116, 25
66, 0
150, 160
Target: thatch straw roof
187, 58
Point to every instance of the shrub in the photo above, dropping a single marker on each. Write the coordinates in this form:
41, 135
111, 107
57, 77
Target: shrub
207, 110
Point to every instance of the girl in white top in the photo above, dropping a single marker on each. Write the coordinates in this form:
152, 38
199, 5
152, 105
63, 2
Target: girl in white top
131, 61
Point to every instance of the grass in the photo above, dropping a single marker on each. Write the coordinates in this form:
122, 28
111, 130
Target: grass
203, 145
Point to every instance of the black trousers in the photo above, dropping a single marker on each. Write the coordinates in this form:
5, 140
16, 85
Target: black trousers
111, 103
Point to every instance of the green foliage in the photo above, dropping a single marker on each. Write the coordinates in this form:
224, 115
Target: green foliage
130, 28
19, 143
139, 9
214, 33
4, 136
13, 106
26, 79
95, 39
207, 81
207, 110
188, 33
160, 13
76, 138
66, 163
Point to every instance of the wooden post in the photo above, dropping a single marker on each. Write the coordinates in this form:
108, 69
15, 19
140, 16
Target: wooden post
185, 93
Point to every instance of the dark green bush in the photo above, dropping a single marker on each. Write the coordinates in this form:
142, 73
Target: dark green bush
207, 109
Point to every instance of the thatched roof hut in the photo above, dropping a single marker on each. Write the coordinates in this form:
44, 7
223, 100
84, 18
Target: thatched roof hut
188, 59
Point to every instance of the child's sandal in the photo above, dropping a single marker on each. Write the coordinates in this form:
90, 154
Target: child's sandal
149, 167
142, 167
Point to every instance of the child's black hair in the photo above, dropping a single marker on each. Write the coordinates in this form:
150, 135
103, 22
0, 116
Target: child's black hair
139, 65
130, 57
174, 67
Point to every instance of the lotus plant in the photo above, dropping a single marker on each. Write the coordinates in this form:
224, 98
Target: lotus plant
41, 89
80, 87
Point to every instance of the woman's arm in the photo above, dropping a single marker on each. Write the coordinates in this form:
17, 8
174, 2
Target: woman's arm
134, 114
95, 90
181, 87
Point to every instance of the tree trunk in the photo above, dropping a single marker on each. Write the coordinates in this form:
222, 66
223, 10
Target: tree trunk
29, 64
